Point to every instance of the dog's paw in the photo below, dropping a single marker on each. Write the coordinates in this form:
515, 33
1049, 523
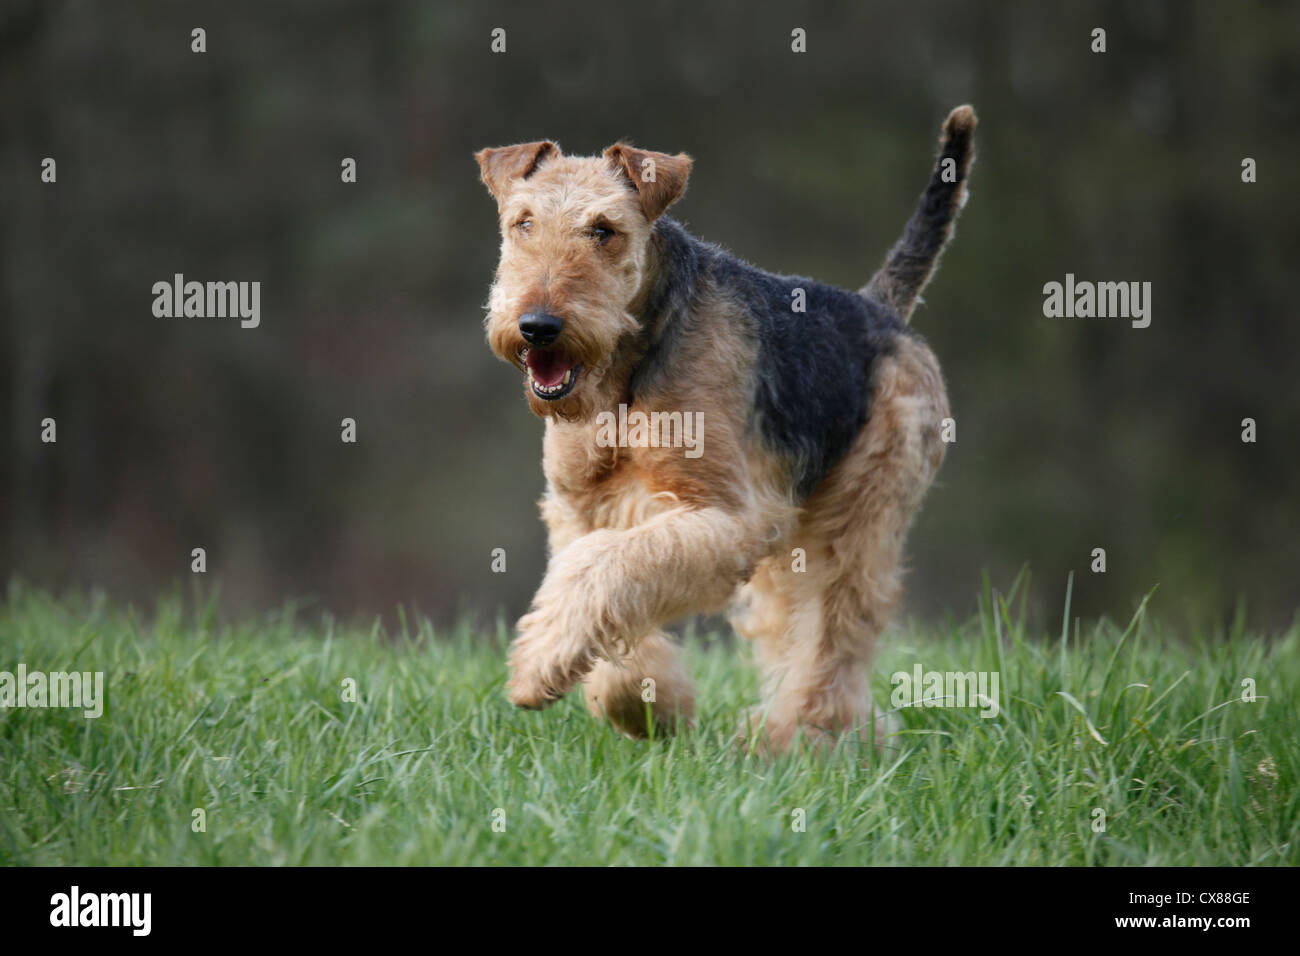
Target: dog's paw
545, 663
764, 734
760, 735
531, 694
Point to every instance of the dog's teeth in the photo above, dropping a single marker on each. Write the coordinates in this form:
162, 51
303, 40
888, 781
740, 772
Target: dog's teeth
567, 375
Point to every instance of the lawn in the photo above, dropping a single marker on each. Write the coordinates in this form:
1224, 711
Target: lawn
233, 743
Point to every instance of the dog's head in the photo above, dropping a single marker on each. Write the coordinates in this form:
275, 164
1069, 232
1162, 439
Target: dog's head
575, 262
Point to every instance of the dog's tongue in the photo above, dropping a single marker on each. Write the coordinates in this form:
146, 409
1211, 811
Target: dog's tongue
548, 368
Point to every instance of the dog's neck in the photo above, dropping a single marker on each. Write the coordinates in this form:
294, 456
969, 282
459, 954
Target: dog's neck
660, 308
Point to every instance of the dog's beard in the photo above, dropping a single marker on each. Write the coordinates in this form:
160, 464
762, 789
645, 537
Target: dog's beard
585, 350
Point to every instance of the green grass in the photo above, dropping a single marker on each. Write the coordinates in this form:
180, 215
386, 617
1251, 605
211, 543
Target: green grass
246, 721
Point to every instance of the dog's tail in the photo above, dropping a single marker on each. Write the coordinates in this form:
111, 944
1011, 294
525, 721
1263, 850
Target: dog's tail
911, 262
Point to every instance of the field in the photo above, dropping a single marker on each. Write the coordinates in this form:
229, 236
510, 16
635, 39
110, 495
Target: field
232, 743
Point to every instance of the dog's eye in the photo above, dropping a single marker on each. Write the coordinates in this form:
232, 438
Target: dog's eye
602, 234
523, 225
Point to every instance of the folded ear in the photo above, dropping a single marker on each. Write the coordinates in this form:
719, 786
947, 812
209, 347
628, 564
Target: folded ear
499, 167
660, 179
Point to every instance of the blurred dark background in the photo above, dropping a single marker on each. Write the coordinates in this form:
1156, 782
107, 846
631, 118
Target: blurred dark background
1072, 433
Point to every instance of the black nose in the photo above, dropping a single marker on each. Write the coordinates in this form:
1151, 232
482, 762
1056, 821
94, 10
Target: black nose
540, 328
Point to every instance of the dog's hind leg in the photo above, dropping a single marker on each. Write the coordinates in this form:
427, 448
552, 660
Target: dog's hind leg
652, 680
852, 531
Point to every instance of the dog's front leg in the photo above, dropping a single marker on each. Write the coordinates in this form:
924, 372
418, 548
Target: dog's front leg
606, 589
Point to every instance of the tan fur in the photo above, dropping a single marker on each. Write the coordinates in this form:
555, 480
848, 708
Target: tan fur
639, 537
651, 678
815, 631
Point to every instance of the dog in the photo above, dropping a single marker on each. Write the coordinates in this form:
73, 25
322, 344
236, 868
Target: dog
819, 418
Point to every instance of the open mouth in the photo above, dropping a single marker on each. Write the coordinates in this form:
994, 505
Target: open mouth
551, 373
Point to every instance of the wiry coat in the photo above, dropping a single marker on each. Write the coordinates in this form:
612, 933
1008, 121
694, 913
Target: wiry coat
821, 434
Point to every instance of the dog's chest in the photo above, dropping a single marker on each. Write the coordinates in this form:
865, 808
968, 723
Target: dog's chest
605, 486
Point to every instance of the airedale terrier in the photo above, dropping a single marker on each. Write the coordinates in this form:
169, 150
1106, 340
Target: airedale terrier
820, 415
